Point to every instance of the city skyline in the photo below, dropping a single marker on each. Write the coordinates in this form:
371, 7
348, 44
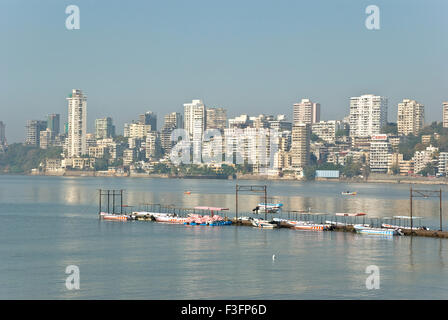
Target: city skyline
157, 58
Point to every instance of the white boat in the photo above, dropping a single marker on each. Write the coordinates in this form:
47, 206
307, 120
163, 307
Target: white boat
391, 226
268, 207
307, 225
264, 224
170, 218
377, 231
348, 193
116, 217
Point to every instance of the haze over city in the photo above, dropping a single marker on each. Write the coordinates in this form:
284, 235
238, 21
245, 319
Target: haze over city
253, 57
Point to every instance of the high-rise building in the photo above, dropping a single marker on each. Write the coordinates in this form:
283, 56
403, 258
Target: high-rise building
411, 116
368, 115
216, 118
194, 117
326, 130
104, 128
306, 112
77, 124
153, 149
149, 118
445, 114
45, 139
194, 124
380, 153
173, 121
33, 129
53, 123
300, 145
2, 134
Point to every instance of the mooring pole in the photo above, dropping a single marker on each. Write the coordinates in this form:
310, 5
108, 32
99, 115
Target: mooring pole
410, 197
113, 201
121, 201
108, 201
440, 209
265, 203
236, 203
99, 204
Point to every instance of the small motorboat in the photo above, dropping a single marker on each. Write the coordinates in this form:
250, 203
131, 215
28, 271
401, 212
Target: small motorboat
187, 192
348, 193
116, 217
377, 231
264, 224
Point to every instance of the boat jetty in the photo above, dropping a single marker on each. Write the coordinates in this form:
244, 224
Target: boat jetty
275, 217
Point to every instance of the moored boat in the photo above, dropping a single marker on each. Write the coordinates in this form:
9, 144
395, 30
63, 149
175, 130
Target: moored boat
116, 217
378, 231
264, 224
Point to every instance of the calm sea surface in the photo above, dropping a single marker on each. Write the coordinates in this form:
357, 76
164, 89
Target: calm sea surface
49, 223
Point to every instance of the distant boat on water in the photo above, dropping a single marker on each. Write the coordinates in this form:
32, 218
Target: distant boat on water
348, 193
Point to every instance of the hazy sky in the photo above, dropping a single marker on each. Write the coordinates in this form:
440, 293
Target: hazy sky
247, 56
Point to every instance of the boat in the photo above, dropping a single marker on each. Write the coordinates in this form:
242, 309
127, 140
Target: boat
405, 218
264, 224
377, 231
391, 226
169, 218
116, 217
306, 225
268, 207
348, 193
213, 219
187, 192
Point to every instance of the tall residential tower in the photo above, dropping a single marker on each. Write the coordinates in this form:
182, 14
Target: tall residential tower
77, 124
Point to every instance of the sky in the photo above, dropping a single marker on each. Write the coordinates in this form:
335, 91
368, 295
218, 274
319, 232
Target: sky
247, 56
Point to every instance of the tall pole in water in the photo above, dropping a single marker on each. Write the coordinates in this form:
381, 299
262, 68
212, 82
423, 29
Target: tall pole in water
108, 200
113, 201
99, 204
440, 209
265, 203
121, 201
236, 203
411, 211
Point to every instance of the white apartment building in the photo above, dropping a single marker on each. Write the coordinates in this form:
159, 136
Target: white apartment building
368, 114
411, 117
153, 147
380, 154
300, 145
136, 130
443, 163
77, 124
194, 124
422, 158
241, 121
445, 114
306, 112
326, 130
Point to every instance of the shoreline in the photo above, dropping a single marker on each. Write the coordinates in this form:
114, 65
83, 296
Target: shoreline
377, 178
